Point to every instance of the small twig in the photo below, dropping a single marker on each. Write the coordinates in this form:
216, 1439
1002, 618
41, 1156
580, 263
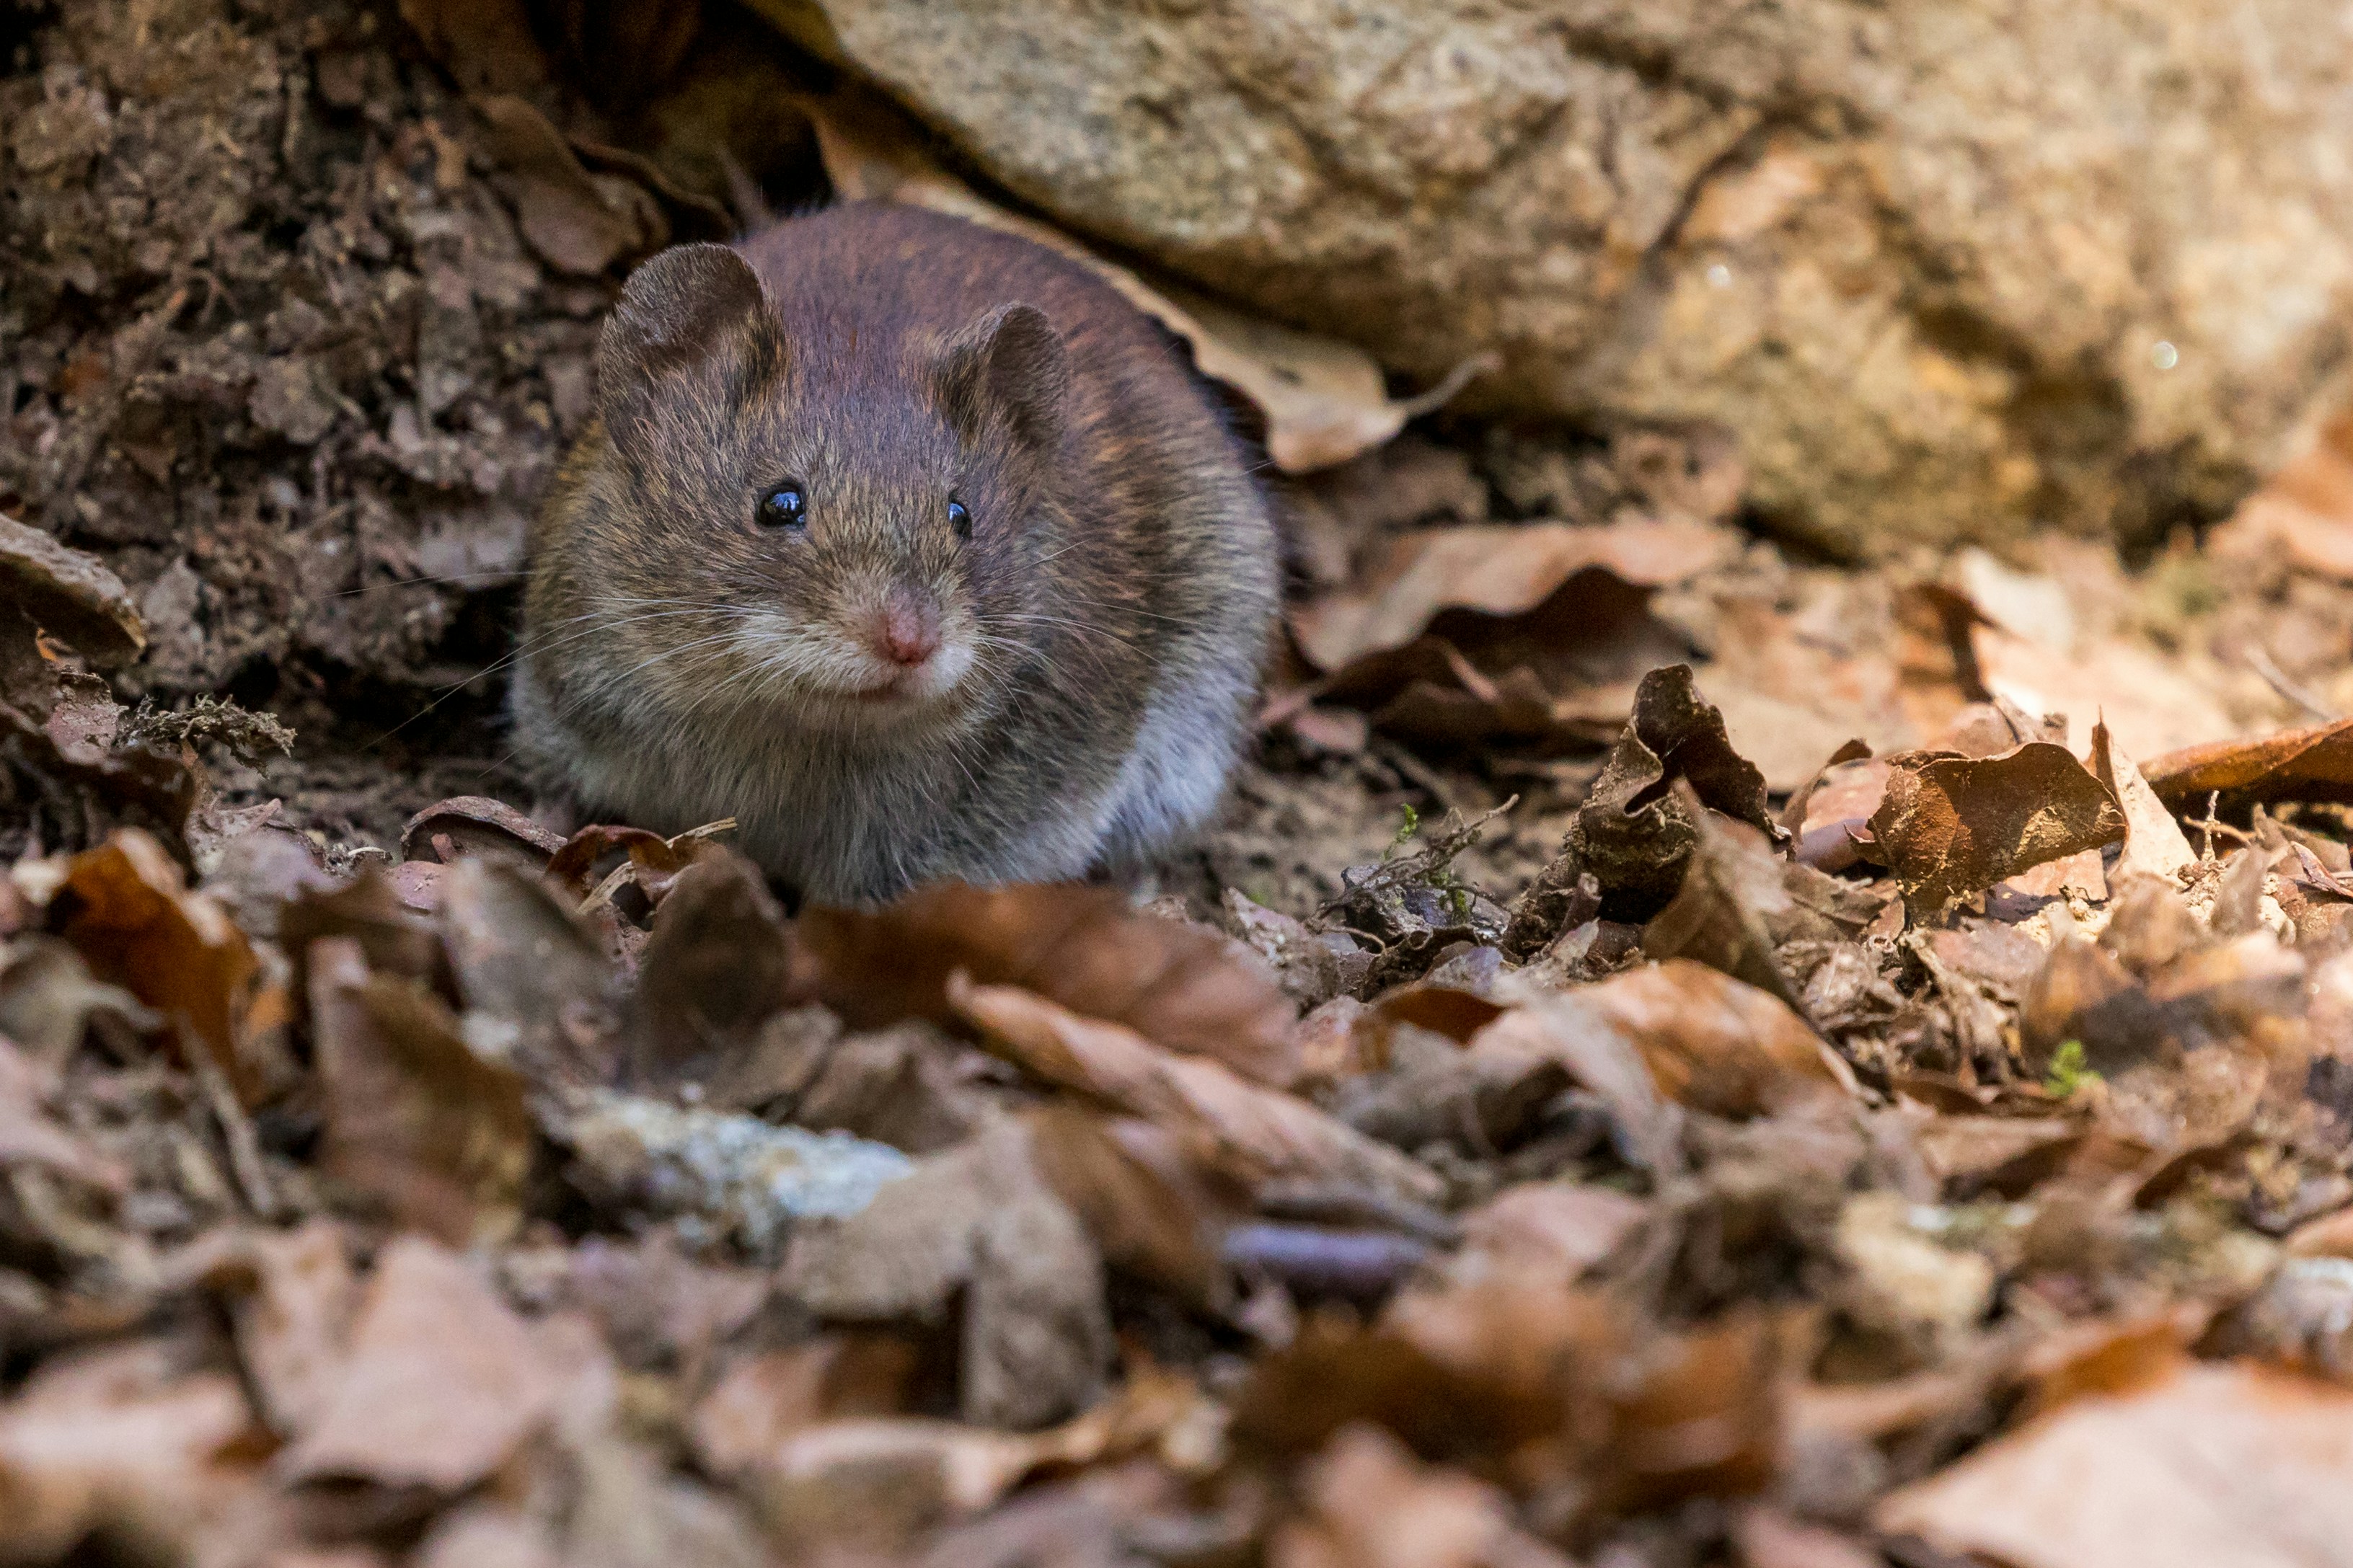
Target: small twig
1361, 1265
2210, 827
2276, 678
1415, 772
236, 1130
1407, 871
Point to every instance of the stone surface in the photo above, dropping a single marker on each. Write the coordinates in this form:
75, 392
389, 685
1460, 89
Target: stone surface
1946, 269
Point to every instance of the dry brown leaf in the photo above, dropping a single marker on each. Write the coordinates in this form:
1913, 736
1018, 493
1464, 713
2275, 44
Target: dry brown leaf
878, 1483
1769, 1537
1462, 1375
2293, 764
1634, 835
526, 967
1549, 1231
1527, 1056
2147, 698
1251, 1134
443, 1382
2227, 1466
2154, 842
2304, 513
1795, 682
1151, 1211
1716, 1043
32, 1138
70, 595
1180, 986
1323, 401
291, 1296
1491, 571
1739, 903
977, 1224
126, 908
717, 967
487, 44
414, 1117
764, 1401
1951, 827
122, 1442
1546, 1385
580, 222
1371, 1505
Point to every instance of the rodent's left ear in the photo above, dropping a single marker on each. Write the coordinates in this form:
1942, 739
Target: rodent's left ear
1010, 363
674, 312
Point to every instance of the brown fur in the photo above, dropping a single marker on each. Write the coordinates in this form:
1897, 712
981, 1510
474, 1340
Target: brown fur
680, 664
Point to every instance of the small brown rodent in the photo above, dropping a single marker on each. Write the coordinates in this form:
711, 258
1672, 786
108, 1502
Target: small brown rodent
908, 544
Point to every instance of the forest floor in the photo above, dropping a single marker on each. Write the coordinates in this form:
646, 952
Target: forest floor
1675, 1052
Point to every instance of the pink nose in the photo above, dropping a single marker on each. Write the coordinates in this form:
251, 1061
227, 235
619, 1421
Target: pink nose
906, 633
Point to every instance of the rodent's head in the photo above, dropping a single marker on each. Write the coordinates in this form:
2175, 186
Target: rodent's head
784, 520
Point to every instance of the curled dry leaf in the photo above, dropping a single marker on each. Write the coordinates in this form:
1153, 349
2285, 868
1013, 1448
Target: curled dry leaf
441, 1385
1251, 1134
1951, 827
2228, 1466
1493, 570
473, 824
653, 863
70, 595
126, 908
415, 1118
1522, 1061
1740, 902
1514, 642
1178, 985
1323, 401
764, 1400
1550, 1232
1508, 1375
1634, 834
2295, 764
487, 44
394, 936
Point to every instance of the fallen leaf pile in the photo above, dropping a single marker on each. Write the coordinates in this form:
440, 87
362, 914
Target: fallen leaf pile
1949, 1158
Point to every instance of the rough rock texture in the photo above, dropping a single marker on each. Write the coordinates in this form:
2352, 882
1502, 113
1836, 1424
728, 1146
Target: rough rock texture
1948, 269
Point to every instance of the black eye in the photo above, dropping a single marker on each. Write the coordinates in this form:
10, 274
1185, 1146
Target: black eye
783, 507
959, 519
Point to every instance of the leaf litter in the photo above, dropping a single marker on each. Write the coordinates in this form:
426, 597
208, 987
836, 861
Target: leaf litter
1846, 1111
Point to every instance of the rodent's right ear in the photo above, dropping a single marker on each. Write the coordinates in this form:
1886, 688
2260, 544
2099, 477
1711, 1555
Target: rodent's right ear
675, 312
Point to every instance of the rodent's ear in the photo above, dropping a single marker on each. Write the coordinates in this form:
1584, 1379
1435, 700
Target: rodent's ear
1010, 363
674, 312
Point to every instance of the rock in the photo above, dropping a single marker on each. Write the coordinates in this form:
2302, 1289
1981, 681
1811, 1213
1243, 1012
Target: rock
1946, 271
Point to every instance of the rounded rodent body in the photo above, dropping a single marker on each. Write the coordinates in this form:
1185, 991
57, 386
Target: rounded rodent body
908, 545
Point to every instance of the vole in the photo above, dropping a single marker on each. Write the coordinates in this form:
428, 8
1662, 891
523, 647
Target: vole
908, 544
